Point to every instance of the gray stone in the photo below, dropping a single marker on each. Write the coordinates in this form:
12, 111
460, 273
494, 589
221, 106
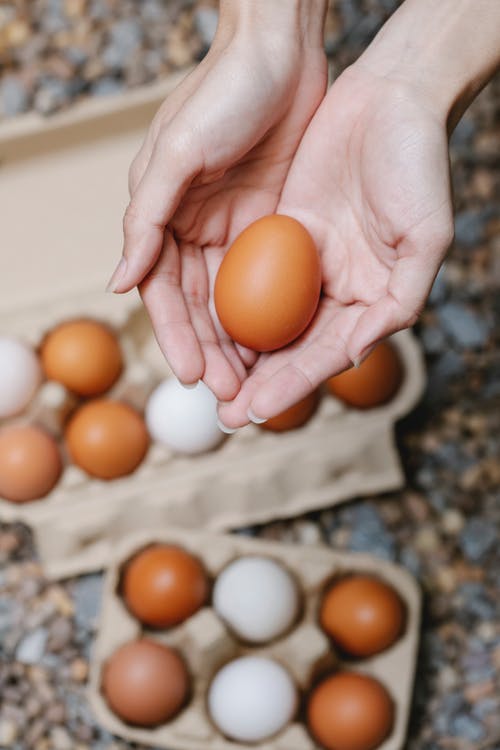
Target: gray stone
125, 39
433, 339
463, 326
439, 288
467, 728
107, 86
87, 594
14, 97
60, 634
477, 538
206, 20
51, 96
469, 228
464, 132
369, 534
31, 648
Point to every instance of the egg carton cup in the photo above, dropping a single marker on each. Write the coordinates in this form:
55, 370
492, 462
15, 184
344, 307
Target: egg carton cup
253, 477
71, 172
206, 644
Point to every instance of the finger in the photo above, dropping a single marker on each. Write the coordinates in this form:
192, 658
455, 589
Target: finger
409, 286
248, 356
219, 374
172, 166
163, 297
290, 375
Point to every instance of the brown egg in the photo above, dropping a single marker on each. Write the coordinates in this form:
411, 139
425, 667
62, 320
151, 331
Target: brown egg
350, 711
268, 285
83, 355
295, 416
371, 384
362, 614
30, 463
163, 585
108, 439
145, 683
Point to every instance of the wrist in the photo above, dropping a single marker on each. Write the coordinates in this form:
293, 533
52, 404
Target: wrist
297, 22
445, 52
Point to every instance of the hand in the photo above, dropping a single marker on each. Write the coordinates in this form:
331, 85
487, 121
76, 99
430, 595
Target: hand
370, 181
215, 159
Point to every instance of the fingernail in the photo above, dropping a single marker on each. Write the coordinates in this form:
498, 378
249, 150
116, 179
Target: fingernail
118, 275
358, 361
189, 386
223, 428
256, 420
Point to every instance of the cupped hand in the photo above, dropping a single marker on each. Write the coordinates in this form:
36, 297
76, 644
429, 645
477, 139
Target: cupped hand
370, 181
215, 158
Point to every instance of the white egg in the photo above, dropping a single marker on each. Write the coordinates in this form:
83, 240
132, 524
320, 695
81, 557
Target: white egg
20, 376
252, 698
257, 598
184, 419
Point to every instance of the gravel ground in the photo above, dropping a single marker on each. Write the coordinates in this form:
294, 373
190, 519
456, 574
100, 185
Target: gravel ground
443, 526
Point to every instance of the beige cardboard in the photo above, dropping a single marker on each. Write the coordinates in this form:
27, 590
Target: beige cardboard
62, 194
206, 644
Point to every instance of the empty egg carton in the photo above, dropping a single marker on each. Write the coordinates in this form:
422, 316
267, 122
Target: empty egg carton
206, 644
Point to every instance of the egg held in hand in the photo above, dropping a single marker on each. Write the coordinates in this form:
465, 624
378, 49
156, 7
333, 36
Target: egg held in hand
268, 285
257, 598
30, 463
350, 711
252, 698
373, 383
20, 376
362, 614
163, 585
145, 683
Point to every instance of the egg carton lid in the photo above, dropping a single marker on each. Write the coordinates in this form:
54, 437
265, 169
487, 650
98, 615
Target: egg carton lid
63, 191
206, 644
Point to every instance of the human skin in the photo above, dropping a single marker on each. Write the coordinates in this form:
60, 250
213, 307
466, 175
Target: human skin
370, 180
215, 159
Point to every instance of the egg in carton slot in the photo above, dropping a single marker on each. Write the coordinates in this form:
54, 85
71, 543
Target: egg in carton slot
207, 644
253, 476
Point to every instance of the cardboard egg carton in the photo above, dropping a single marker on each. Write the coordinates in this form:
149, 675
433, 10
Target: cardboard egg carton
70, 173
206, 644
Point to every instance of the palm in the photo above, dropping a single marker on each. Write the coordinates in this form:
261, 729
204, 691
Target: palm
219, 204
370, 182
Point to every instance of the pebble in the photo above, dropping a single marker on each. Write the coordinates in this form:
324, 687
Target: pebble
51, 96
452, 522
205, 21
32, 647
60, 634
14, 96
8, 732
477, 538
467, 728
87, 595
463, 326
60, 739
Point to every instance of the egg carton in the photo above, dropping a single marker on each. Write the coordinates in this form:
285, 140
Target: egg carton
253, 477
206, 644
57, 261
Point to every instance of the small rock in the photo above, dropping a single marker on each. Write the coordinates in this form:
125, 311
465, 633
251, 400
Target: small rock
32, 647
452, 522
51, 96
14, 97
60, 739
87, 596
61, 601
8, 732
107, 86
79, 670
467, 728
469, 228
479, 690
60, 634
125, 38
463, 326
206, 20
56, 713
426, 539
477, 538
